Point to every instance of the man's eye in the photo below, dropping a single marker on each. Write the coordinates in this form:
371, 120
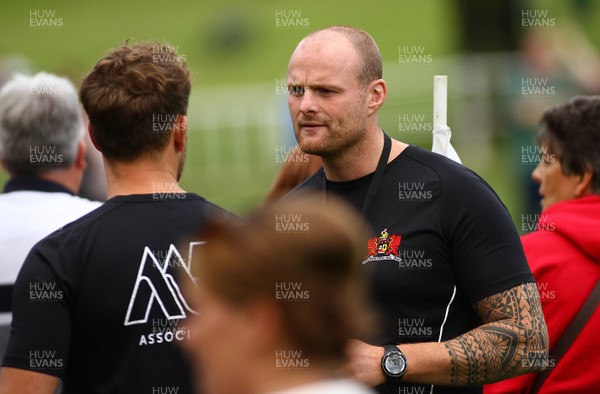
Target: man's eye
324, 91
295, 90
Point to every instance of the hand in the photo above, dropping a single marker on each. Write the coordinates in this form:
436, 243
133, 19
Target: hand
364, 362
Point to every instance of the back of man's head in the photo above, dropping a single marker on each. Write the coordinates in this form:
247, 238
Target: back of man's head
132, 97
40, 124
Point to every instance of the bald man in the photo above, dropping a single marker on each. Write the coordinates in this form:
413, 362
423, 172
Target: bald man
458, 303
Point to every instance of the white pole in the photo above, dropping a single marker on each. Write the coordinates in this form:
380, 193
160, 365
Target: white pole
441, 131
440, 101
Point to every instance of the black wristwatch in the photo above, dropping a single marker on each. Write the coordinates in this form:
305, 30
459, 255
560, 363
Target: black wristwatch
393, 362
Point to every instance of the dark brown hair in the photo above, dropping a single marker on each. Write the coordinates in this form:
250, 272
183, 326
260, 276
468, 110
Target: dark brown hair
128, 92
321, 253
571, 131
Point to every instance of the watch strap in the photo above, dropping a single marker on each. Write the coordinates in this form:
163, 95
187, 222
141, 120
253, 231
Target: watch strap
387, 349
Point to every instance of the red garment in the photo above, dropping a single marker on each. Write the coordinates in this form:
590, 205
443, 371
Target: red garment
564, 255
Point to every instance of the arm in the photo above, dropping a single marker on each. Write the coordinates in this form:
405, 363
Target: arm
295, 170
20, 381
512, 341
38, 347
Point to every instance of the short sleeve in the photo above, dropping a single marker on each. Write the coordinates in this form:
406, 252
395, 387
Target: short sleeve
486, 251
41, 326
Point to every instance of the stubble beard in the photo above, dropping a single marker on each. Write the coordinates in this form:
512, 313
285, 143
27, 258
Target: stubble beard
337, 140
340, 138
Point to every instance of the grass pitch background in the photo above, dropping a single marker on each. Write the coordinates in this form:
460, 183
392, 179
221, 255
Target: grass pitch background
234, 46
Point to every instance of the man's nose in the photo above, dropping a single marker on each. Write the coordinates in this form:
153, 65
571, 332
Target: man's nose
308, 102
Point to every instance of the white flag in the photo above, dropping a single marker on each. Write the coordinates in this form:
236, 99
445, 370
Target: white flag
442, 144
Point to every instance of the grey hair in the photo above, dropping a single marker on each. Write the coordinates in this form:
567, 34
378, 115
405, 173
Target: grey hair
41, 124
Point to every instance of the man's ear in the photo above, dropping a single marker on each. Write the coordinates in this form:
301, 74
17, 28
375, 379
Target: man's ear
80, 162
91, 133
584, 186
377, 92
180, 133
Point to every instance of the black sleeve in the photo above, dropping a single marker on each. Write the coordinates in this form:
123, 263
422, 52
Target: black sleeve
41, 325
486, 250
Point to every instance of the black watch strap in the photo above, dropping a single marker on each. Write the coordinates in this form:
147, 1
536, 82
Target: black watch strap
390, 348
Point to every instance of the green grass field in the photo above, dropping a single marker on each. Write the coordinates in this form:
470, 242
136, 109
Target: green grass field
227, 43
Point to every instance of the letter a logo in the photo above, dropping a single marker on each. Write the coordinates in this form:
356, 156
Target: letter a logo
154, 285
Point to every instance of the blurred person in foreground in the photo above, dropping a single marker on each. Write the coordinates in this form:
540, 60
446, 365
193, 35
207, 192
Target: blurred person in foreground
564, 251
279, 300
447, 270
106, 308
42, 148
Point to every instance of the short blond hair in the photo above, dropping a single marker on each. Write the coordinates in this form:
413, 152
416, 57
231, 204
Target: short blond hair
366, 48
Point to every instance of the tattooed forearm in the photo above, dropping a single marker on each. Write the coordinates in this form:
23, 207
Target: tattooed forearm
513, 342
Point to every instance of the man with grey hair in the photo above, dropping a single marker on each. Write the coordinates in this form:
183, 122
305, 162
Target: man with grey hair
42, 148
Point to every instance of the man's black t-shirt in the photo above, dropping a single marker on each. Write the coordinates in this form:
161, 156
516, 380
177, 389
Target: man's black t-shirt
442, 240
100, 303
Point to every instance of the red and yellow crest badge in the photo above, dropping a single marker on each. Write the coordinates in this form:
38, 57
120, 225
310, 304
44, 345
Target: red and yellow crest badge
384, 247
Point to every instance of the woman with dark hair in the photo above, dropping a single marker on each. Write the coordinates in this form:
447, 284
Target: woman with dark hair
564, 251
279, 297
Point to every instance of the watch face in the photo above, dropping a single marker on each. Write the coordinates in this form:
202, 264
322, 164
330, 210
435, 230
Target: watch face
394, 364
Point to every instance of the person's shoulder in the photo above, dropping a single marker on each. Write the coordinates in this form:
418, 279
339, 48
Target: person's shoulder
192, 205
81, 204
197, 208
213, 210
454, 177
90, 212
51, 204
311, 183
438, 163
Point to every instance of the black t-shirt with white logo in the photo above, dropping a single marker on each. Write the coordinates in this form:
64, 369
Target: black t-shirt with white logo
100, 303
441, 241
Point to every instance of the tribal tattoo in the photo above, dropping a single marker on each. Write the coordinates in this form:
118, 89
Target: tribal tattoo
513, 341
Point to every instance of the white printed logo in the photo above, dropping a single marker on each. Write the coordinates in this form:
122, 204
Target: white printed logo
154, 284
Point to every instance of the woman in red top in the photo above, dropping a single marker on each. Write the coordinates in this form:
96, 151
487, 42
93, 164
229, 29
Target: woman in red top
564, 251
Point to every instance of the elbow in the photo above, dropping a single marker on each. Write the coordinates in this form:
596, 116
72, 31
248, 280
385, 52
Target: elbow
535, 350
536, 361
535, 342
